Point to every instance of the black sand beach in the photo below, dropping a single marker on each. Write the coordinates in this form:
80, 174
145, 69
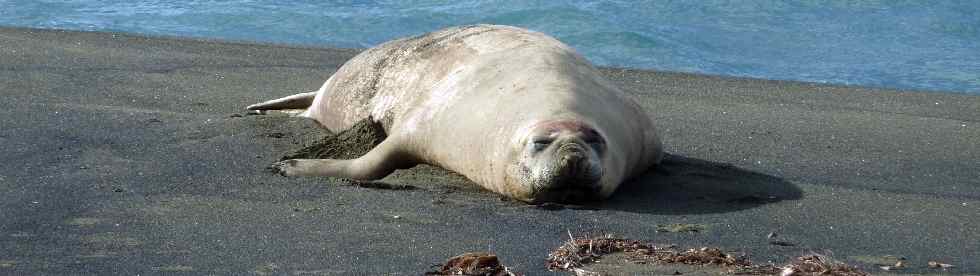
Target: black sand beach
130, 155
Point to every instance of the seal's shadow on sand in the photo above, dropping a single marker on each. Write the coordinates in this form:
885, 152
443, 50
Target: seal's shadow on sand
683, 185
679, 185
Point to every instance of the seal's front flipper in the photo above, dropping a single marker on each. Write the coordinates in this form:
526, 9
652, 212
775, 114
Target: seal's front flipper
298, 101
376, 164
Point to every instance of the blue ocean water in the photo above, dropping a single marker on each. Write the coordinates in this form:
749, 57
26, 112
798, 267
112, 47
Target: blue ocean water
917, 45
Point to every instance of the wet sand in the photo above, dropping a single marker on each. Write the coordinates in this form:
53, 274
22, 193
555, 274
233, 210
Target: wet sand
132, 155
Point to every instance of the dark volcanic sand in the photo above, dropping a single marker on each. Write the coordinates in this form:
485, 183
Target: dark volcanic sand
124, 155
348, 144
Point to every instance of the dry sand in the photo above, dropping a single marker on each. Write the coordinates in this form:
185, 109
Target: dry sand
129, 155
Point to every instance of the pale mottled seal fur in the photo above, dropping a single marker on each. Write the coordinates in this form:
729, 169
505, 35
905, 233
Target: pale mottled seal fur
513, 110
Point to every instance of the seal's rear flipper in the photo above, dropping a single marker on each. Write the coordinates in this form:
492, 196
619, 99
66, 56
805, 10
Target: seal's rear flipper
298, 101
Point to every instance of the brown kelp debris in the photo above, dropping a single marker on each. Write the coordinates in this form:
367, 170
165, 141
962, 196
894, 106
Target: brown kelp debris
577, 252
474, 263
816, 264
702, 256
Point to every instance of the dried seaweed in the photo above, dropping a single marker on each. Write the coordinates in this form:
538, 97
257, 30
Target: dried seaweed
577, 252
474, 263
816, 264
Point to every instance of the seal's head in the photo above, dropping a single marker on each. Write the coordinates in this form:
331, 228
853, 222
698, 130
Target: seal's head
558, 161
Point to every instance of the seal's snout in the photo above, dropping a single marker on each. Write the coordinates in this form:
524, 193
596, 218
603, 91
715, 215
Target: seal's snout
571, 154
577, 176
573, 163
566, 162
571, 147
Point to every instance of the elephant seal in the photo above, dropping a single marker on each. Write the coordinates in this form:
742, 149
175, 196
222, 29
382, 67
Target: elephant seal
516, 111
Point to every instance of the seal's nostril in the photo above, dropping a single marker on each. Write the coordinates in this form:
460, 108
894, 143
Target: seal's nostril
571, 158
572, 147
573, 163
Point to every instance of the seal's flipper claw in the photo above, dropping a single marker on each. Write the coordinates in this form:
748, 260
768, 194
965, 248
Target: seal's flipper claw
280, 167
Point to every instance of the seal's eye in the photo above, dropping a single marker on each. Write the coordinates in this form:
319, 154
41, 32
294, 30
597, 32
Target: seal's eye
540, 143
594, 140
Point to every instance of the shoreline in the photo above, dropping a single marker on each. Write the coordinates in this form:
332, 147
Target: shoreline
358, 50
125, 156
